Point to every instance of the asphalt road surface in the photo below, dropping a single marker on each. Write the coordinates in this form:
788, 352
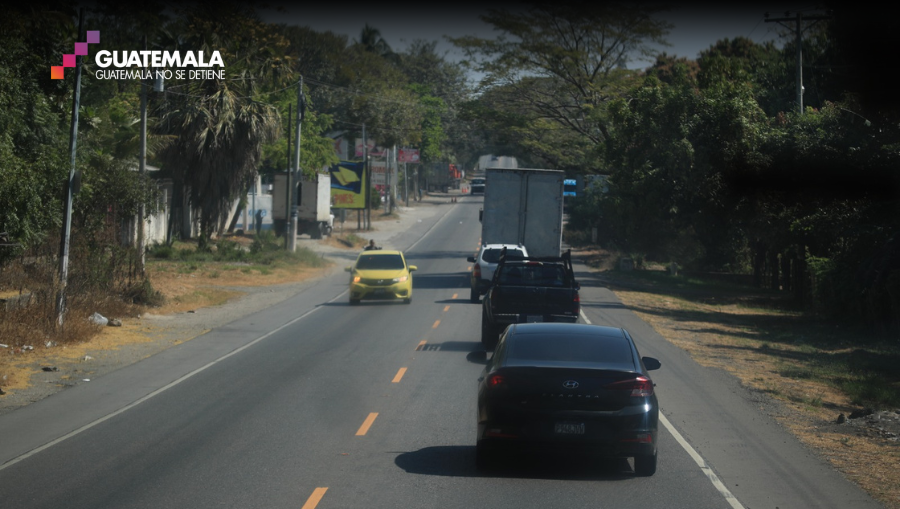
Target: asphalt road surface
314, 403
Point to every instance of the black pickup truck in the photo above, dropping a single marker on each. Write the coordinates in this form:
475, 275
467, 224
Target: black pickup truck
529, 290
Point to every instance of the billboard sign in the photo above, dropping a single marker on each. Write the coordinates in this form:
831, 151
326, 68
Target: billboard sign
348, 185
373, 149
408, 155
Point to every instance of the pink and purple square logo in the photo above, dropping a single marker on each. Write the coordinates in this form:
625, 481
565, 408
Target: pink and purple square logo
81, 49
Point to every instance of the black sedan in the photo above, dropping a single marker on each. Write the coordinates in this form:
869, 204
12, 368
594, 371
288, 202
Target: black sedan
568, 387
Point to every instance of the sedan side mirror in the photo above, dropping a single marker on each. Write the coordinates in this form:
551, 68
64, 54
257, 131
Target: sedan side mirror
470, 259
650, 363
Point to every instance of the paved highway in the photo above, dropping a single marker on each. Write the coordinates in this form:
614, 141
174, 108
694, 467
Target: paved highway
316, 404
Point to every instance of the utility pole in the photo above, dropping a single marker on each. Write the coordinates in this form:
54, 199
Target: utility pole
798, 38
142, 169
367, 180
287, 187
67, 220
301, 108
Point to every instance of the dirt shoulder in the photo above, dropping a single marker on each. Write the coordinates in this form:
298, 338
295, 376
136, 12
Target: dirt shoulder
198, 299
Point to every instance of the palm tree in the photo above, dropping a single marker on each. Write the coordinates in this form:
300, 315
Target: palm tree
372, 41
217, 149
216, 126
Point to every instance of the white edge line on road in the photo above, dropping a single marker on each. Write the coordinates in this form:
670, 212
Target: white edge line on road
162, 389
717, 483
713, 478
584, 317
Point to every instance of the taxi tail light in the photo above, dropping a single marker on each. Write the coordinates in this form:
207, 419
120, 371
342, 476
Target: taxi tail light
640, 387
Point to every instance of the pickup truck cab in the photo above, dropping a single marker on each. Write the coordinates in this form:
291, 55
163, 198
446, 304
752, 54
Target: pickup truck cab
526, 290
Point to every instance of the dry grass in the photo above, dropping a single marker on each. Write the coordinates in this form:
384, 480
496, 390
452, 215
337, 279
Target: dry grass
32, 339
765, 348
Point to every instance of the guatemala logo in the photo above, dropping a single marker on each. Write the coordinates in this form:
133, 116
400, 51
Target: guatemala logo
57, 72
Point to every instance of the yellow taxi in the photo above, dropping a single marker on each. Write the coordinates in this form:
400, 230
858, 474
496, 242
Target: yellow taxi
379, 274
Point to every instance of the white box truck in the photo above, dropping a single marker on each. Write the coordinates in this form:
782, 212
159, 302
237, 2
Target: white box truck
524, 206
313, 204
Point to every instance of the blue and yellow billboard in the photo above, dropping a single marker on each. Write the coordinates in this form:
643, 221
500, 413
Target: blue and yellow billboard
348, 185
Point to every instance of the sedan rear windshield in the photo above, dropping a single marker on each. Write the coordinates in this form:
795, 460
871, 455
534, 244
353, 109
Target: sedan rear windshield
576, 348
493, 255
380, 262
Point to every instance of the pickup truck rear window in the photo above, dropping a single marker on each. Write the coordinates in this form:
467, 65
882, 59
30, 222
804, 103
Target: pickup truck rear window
533, 274
493, 255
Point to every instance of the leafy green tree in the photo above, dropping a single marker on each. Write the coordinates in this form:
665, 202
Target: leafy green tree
33, 136
564, 62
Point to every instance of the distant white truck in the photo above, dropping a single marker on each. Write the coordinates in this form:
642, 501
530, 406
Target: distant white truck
314, 215
524, 207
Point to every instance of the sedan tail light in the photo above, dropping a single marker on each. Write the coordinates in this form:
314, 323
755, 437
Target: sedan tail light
496, 381
477, 271
640, 387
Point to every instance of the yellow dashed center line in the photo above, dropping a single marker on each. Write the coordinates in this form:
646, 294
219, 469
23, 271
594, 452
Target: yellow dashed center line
399, 375
455, 295
436, 323
421, 345
469, 268
446, 308
315, 498
367, 424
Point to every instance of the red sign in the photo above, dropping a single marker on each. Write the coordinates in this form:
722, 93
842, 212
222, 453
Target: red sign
408, 155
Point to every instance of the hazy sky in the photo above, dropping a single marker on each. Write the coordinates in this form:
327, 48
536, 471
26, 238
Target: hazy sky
697, 25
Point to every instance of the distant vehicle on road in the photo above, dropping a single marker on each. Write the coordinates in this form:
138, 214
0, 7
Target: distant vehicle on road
476, 186
485, 263
524, 206
380, 274
572, 388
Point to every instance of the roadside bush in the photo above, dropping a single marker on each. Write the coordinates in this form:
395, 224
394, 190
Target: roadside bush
229, 251
143, 293
265, 241
163, 252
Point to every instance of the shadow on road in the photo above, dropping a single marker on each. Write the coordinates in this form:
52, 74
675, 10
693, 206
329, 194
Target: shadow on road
459, 461
449, 280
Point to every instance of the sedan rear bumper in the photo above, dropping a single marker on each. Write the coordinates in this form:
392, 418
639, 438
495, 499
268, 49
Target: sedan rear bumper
626, 433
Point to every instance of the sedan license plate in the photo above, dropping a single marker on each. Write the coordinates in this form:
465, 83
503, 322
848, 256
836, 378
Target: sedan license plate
569, 428
379, 291
534, 318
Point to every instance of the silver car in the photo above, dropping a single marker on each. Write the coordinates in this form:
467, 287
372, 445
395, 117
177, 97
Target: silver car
486, 263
